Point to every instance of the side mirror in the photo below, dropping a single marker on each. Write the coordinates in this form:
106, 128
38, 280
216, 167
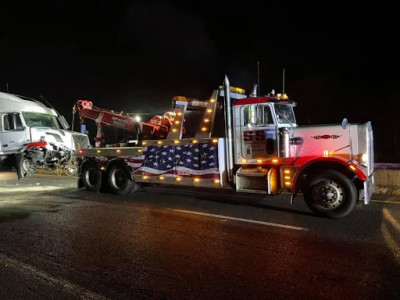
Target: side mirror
345, 122
63, 122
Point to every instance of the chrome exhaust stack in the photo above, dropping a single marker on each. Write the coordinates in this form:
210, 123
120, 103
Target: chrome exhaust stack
228, 130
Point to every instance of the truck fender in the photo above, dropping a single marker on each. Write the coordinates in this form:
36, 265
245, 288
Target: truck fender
319, 163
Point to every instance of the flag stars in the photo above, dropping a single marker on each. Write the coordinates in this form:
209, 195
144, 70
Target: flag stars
188, 158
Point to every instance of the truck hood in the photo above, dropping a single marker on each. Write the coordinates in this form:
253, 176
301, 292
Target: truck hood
60, 137
350, 142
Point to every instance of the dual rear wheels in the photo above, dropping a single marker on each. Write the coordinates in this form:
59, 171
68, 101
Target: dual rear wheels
117, 179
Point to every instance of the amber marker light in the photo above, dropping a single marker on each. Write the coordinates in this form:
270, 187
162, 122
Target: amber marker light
275, 160
161, 177
353, 168
98, 151
212, 100
176, 142
144, 143
216, 181
174, 130
209, 110
244, 160
178, 179
204, 129
287, 171
196, 180
118, 151
145, 177
195, 141
215, 141
139, 150
259, 161
177, 122
159, 142
206, 120
102, 168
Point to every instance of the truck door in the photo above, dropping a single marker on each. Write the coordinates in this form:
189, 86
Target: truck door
12, 133
258, 132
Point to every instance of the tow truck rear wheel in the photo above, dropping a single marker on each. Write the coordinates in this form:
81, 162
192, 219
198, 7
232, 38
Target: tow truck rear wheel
24, 166
92, 178
331, 194
120, 182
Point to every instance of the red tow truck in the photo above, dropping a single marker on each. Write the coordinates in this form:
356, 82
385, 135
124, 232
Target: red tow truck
251, 144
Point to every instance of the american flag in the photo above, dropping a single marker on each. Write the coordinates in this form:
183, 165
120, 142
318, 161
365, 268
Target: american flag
192, 160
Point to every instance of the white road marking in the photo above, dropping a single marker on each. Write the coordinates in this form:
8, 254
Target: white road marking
240, 219
44, 277
23, 189
383, 201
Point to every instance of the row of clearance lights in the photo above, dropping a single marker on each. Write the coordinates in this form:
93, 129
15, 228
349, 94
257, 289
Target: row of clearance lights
259, 161
118, 151
179, 179
177, 121
207, 119
287, 177
178, 141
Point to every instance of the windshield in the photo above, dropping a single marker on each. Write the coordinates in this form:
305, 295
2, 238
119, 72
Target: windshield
34, 119
284, 114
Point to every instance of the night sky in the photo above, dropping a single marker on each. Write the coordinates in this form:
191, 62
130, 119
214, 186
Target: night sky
339, 60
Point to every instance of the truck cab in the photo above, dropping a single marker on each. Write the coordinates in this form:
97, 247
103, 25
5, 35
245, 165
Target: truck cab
257, 123
34, 135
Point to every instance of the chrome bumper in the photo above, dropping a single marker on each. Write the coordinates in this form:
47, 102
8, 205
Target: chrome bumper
369, 187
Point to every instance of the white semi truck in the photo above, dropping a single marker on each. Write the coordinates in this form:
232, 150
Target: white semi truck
34, 135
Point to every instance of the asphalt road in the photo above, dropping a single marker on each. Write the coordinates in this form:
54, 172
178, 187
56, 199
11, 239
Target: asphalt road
60, 242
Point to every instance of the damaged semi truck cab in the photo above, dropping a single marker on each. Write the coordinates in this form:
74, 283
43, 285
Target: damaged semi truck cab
33, 136
251, 144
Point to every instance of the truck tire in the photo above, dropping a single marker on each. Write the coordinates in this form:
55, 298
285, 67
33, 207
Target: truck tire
24, 166
92, 178
330, 194
120, 182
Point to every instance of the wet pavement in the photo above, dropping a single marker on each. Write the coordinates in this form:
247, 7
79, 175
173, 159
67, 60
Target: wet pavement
57, 241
